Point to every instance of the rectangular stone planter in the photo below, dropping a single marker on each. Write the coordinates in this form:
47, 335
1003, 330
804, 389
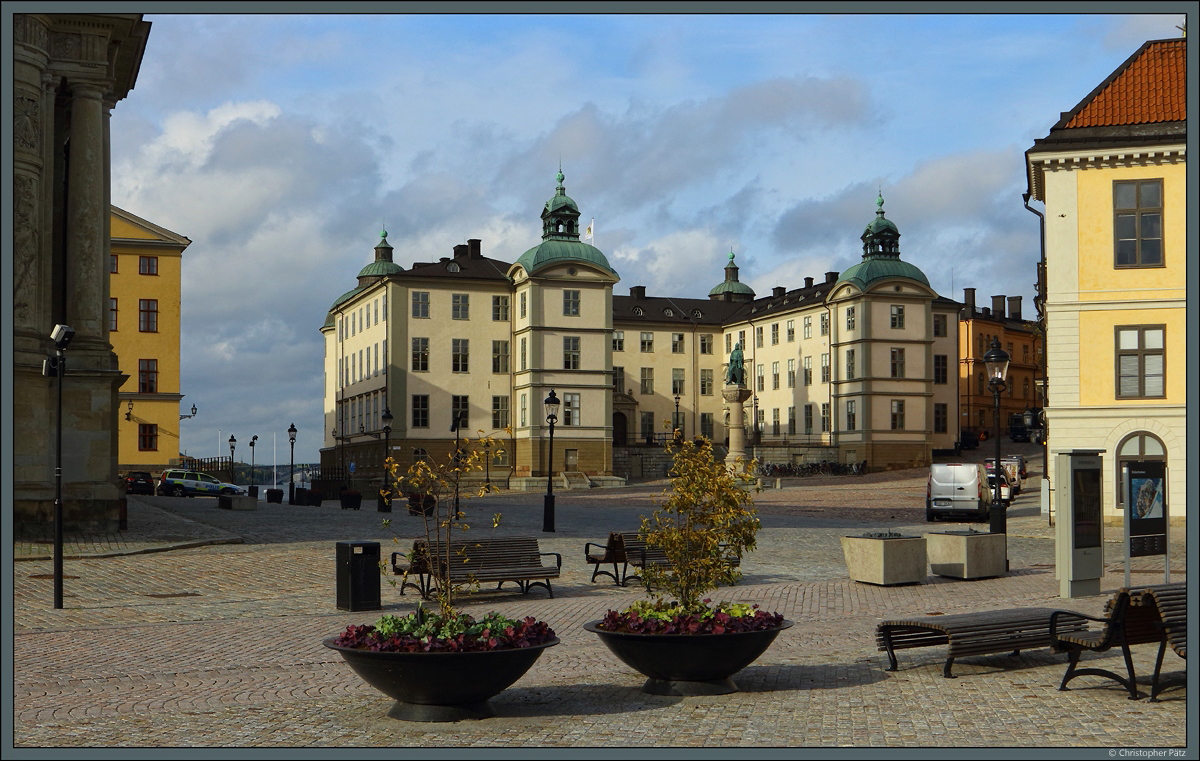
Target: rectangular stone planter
966, 554
885, 561
232, 502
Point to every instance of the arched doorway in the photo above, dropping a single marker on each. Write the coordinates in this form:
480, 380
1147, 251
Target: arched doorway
620, 428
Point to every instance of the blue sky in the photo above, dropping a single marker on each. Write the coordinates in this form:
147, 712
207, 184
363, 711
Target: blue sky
281, 144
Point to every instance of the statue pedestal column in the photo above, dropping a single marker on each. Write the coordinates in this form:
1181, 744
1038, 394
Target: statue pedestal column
734, 396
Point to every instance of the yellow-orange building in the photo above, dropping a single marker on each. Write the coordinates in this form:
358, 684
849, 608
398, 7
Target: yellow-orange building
1113, 176
1023, 342
143, 326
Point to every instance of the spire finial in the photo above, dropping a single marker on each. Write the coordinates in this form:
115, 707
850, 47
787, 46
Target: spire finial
879, 201
730, 255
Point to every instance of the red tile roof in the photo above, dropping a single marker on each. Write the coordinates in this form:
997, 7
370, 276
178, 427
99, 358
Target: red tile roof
1149, 87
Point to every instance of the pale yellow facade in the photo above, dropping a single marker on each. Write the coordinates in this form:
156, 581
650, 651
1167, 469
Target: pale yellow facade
145, 272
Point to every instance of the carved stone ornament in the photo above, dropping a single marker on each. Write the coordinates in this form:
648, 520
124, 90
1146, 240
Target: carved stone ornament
25, 248
30, 31
27, 122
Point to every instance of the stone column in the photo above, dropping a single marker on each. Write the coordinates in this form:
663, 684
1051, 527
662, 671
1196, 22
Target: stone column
86, 307
734, 396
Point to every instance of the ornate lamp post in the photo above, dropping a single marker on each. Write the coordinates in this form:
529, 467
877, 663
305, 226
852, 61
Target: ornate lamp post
253, 487
232, 444
292, 464
487, 465
385, 503
996, 362
455, 425
552, 406
676, 428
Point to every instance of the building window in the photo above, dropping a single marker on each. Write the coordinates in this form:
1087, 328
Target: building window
706, 425
939, 417
774, 376
758, 337
420, 304
825, 372
647, 431
1141, 361
897, 363
460, 350
791, 330
791, 429
148, 315
618, 379
742, 339
500, 308
849, 364
941, 370
808, 371
420, 355
618, 340
706, 343
706, 382
570, 352
774, 421
982, 384
460, 410
420, 411
982, 346
849, 318
1137, 223
647, 341
524, 409
825, 417
760, 382
524, 299
808, 419
499, 413
897, 415
728, 343
499, 359
774, 333
112, 315
808, 327
112, 263
1024, 388
500, 457
791, 372
677, 343
939, 325
851, 415
460, 306
677, 381
377, 312
147, 265
147, 437
570, 303
523, 363
825, 324
647, 380
897, 316
147, 376
570, 409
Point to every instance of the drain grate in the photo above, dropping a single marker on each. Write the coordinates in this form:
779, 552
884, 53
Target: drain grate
175, 594
48, 576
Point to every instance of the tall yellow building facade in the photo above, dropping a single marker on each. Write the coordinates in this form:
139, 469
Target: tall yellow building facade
144, 275
1112, 174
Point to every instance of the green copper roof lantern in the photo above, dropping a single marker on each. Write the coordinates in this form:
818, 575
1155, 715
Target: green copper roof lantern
731, 289
881, 255
560, 236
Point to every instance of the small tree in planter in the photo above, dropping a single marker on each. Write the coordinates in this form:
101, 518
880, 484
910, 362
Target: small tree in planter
442, 676
707, 517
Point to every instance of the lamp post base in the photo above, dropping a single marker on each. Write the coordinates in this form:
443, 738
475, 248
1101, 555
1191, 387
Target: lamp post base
548, 514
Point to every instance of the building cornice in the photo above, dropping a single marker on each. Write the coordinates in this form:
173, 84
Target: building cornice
1116, 156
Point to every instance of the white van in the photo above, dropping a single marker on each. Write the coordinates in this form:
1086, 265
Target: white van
957, 488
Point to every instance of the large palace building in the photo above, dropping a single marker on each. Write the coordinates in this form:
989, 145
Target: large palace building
861, 366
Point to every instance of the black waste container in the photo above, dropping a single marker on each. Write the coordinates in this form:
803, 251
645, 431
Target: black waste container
254, 492
358, 576
275, 495
301, 497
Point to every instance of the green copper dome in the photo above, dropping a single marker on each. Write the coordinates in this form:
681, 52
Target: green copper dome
560, 237
881, 255
736, 290
380, 268
338, 302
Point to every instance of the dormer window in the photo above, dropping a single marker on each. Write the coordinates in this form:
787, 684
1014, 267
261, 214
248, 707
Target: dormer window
452, 267
669, 312
638, 311
696, 313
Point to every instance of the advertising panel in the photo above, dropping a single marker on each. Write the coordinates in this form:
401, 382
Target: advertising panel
1146, 508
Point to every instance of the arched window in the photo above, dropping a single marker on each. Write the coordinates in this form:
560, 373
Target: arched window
1136, 447
560, 227
570, 226
419, 455
1025, 388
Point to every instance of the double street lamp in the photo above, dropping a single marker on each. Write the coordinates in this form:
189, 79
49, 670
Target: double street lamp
385, 502
552, 406
232, 444
292, 464
996, 362
253, 487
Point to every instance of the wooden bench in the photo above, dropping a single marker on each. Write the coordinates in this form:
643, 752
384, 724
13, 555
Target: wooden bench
517, 559
1125, 623
1171, 602
983, 633
628, 549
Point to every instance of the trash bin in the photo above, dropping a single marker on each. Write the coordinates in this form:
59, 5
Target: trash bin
301, 497
254, 492
275, 495
358, 576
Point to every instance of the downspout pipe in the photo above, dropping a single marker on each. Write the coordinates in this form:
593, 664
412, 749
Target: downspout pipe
1040, 304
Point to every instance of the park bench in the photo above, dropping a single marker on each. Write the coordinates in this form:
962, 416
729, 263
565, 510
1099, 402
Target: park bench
517, 559
628, 549
982, 633
1131, 617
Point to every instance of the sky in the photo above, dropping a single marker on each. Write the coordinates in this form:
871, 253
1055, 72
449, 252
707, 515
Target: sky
282, 145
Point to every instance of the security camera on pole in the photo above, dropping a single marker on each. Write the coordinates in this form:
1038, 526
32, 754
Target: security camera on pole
56, 367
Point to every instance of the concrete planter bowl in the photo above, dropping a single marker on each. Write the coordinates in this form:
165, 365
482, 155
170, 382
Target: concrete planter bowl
966, 554
885, 560
688, 664
441, 686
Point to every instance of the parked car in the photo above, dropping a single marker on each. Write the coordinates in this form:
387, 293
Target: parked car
1006, 495
1017, 430
968, 439
180, 483
956, 488
1012, 471
139, 482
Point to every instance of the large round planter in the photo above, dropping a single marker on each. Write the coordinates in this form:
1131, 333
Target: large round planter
688, 664
441, 686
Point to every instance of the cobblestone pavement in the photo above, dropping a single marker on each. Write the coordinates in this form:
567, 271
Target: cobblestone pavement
201, 627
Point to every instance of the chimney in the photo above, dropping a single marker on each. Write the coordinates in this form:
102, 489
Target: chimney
998, 307
831, 277
473, 248
808, 282
778, 291
969, 301
1014, 307
460, 251
638, 292
985, 312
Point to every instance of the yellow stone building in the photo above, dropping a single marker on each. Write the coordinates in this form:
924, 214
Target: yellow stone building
144, 275
1113, 176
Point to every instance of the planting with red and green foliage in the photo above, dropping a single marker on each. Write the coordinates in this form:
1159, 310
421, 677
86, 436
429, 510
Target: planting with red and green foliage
723, 618
422, 632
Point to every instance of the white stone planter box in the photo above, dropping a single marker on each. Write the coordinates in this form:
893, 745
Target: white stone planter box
965, 554
231, 502
885, 561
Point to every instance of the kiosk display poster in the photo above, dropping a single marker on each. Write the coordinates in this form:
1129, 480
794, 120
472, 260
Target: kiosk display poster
1085, 497
1146, 508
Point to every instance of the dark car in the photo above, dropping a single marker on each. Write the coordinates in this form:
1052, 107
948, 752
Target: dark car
139, 482
968, 440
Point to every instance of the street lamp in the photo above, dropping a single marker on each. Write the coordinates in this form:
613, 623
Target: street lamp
996, 362
487, 465
675, 432
253, 488
455, 424
181, 417
56, 367
292, 465
232, 444
385, 503
552, 405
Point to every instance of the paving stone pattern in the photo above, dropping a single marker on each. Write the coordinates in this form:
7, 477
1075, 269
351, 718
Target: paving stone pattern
201, 627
